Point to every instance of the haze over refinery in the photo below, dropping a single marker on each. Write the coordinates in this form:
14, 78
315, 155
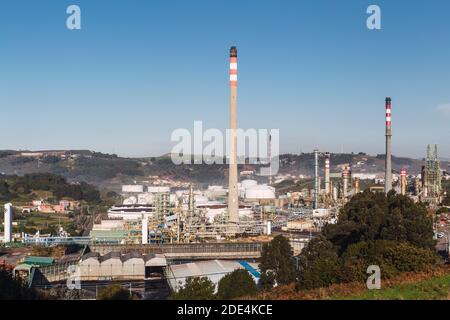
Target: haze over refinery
312, 69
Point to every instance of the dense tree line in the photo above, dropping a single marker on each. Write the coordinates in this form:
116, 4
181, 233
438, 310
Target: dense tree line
13, 186
390, 231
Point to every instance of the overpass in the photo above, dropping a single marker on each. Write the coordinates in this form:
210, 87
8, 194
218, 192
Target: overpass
42, 276
189, 251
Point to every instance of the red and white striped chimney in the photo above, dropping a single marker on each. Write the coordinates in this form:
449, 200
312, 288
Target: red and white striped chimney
327, 173
233, 67
233, 197
388, 164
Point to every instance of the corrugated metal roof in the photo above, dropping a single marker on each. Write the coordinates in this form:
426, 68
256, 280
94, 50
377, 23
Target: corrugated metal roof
40, 261
110, 255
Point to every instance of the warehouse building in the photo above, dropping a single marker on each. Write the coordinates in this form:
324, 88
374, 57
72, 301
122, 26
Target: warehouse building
114, 266
213, 269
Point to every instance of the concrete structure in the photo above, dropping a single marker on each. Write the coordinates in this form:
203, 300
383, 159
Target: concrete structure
233, 203
8, 223
388, 163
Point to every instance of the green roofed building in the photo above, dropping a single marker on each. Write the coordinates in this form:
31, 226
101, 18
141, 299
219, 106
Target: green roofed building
38, 261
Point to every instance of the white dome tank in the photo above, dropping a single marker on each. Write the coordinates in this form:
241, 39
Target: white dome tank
260, 192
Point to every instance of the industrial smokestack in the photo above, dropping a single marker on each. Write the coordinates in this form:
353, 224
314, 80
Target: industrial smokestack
403, 181
357, 189
144, 229
388, 163
233, 205
345, 174
7, 235
316, 179
327, 174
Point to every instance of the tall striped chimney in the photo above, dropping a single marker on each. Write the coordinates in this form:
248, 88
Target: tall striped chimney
233, 205
327, 173
388, 163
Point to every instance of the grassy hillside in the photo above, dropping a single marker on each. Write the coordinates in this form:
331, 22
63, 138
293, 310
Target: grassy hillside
430, 285
435, 288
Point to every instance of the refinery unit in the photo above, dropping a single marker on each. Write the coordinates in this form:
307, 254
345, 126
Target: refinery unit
160, 214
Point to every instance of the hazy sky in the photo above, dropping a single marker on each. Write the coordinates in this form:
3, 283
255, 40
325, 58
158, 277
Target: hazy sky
137, 70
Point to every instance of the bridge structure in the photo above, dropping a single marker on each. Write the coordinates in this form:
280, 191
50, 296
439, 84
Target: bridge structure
189, 251
42, 276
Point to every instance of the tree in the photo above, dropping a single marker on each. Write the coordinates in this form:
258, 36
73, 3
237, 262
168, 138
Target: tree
390, 231
319, 265
113, 292
196, 288
375, 216
236, 284
12, 288
277, 264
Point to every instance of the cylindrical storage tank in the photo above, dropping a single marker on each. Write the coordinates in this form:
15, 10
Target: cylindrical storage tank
130, 200
260, 192
133, 188
145, 198
248, 183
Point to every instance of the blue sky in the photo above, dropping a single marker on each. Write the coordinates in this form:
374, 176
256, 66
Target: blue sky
137, 70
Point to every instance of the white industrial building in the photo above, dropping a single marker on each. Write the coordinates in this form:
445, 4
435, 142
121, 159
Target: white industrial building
133, 188
114, 266
157, 189
213, 269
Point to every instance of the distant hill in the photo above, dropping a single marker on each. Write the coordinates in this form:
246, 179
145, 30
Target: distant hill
110, 171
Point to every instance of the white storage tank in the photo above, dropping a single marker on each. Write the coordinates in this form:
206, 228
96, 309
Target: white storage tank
260, 192
130, 200
133, 188
158, 189
145, 198
248, 183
